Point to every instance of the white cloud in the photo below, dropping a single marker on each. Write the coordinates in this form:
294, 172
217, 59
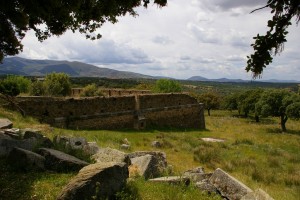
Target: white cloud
208, 38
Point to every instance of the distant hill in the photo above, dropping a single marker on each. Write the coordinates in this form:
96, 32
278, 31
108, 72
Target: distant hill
28, 67
226, 80
200, 78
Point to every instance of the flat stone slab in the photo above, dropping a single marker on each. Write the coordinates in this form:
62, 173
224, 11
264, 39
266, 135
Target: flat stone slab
212, 140
5, 123
259, 194
111, 155
176, 180
6, 145
60, 161
147, 166
228, 186
24, 160
96, 181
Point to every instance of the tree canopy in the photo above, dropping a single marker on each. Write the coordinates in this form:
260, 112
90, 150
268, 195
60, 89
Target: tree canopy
55, 17
279, 103
272, 42
167, 86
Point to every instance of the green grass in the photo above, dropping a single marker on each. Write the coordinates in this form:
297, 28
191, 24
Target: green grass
257, 154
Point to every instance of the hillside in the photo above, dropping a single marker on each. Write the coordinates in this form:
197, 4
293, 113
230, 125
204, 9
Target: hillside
27, 67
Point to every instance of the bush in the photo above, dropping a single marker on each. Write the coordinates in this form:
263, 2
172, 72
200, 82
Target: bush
14, 85
57, 84
167, 86
37, 89
91, 90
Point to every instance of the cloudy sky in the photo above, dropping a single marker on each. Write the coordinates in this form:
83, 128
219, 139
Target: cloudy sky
209, 38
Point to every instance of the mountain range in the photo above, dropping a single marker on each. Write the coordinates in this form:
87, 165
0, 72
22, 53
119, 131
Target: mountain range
28, 67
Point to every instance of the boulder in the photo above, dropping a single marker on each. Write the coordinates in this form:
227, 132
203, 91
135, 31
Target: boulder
4, 136
77, 143
91, 148
204, 185
259, 194
60, 161
125, 146
126, 141
156, 144
160, 156
147, 165
96, 181
176, 180
5, 123
42, 140
24, 160
228, 186
111, 155
13, 133
197, 174
6, 145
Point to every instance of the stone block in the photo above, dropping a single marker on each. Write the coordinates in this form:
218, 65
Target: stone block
60, 161
228, 186
96, 181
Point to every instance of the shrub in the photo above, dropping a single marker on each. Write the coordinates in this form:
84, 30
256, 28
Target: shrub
37, 89
167, 86
91, 90
57, 84
14, 85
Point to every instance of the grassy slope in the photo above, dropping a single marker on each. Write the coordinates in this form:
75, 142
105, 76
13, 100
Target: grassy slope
257, 154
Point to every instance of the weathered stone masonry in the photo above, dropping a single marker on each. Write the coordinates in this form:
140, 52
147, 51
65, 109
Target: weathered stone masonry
139, 111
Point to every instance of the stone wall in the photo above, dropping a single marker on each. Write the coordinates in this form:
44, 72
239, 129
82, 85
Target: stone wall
139, 111
76, 92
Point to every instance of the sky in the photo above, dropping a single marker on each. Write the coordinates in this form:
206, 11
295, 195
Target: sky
208, 38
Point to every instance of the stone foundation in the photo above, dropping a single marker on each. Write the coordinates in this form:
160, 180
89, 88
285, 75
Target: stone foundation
139, 111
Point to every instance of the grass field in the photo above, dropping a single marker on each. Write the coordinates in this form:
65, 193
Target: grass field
257, 154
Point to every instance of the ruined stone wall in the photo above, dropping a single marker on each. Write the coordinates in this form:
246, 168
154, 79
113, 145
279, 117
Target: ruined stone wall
76, 92
140, 111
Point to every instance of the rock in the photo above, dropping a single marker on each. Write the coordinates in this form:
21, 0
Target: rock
160, 156
259, 194
212, 140
4, 136
176, 180
13, 133
111, 155
228, 186
204, 185
147, 165
197, 174
61, 140
91, 148
42, 140
6, 145
5, 123
24, 160
96, 181
77, 143
125, 141
125, 146
60, 161
156, 144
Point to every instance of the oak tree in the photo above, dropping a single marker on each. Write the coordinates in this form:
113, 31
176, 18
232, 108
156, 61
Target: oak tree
272, 43
55, 17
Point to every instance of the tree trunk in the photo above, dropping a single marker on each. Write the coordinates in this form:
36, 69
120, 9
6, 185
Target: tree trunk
208, 112
283, 119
